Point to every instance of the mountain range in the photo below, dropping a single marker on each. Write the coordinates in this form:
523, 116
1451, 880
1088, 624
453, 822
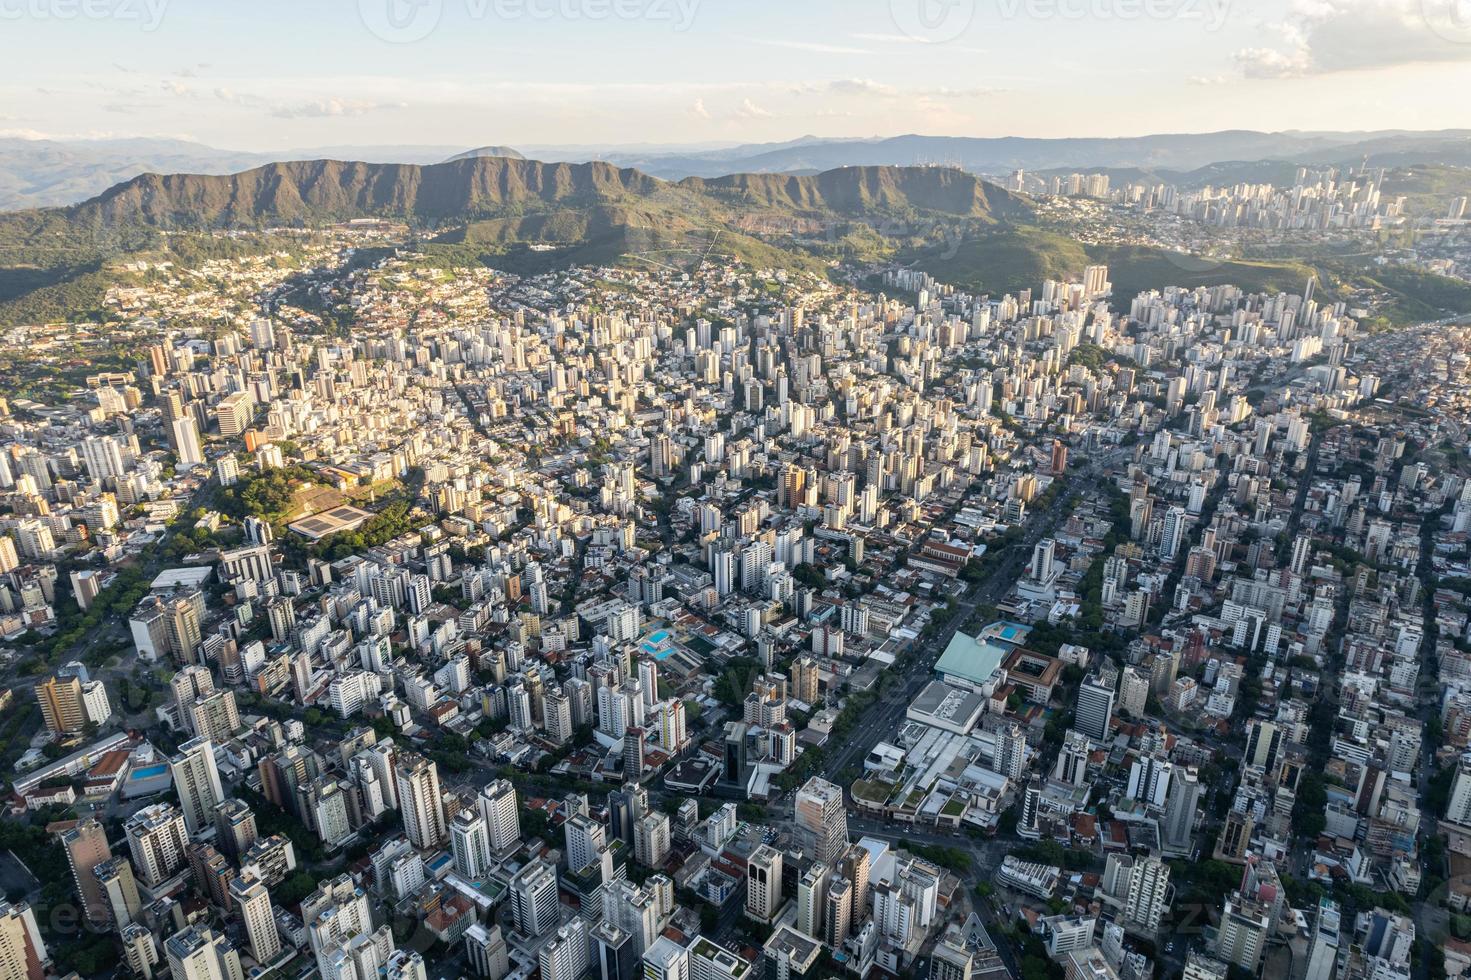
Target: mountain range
36, 173
515, 213
1179, 152
46, 173
475, 188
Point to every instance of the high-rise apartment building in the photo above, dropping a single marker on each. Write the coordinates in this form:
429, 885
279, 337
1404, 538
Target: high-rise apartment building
86, 847
420, 803
23, 954
822, 821
1148, 889
253, 901
197, 780
157, 838
1094, 713
763, 883
198, 953
535, 908
470, 844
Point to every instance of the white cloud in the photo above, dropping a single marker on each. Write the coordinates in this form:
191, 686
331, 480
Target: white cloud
699, 111
750, 110
957, 93
887, 38
1320, 37
92, 134
869, 89
814, 47
249, 100
861, 86
908, 40
1271, 63
326, 108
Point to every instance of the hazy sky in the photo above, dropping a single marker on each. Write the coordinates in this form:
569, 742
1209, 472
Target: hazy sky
276, 74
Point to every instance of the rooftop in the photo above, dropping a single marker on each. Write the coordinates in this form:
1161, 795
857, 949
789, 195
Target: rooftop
971, 659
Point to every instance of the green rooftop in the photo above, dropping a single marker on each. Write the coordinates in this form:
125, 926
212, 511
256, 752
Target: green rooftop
970, 659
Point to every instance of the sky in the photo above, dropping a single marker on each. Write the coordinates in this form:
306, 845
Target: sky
264, 75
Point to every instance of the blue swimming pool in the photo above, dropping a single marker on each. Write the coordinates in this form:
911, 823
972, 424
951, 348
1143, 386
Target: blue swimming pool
149, 772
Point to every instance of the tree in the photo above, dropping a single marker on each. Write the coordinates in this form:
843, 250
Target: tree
709, 918
735, 681
534, 823
294, 889
810, 576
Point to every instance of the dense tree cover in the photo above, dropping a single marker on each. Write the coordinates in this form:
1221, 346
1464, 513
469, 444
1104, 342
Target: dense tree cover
735, 681
269, 495
395, 519
534, 823
810, 576
271, 819
295, 888
73, 625
951, 858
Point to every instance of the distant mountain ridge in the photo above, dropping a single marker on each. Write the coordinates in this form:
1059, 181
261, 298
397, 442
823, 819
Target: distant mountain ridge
324, 190
488, 151
854, 189
483, 187
38, 173
1001, 155
51, 173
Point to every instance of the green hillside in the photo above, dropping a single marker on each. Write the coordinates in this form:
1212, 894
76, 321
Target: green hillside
1007, 260
1020, 257
1134, 269
1429, 189
637, 234
516, 214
